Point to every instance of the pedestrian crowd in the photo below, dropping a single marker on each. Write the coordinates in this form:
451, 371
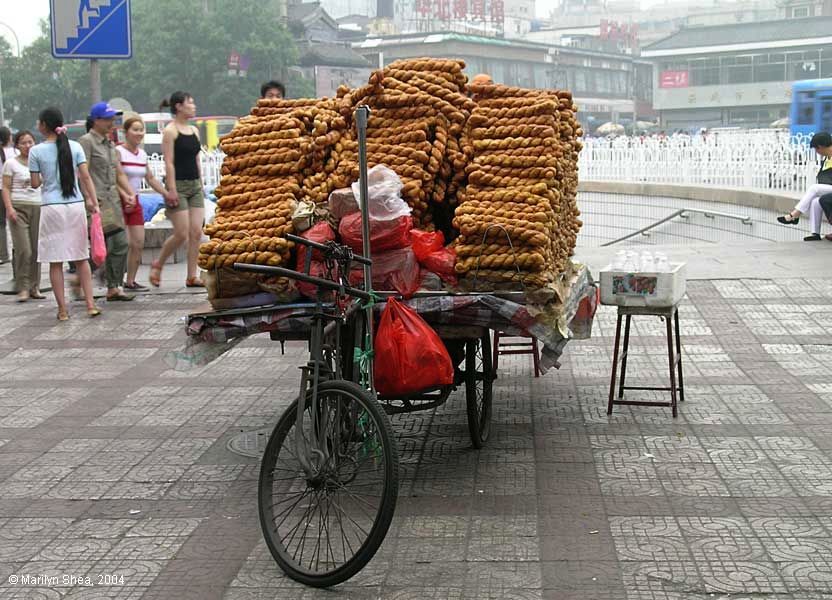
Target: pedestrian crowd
51, 190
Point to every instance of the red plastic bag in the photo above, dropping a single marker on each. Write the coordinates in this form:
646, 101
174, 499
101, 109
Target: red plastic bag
425, 242
384, 235
409, 355
392, 270
442, 262
321, 233
98, 247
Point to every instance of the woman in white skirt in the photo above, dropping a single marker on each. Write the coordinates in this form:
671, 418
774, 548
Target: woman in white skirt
59, 165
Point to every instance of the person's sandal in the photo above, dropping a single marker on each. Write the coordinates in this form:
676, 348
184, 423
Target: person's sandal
93, 312
194, 282
815, 237
120, 297
135, 287
63, 315
36, 295
788, 220
155, 276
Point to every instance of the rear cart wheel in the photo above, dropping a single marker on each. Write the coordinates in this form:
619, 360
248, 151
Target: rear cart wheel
479, 379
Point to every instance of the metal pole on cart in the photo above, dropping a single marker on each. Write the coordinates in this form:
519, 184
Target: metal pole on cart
362, 114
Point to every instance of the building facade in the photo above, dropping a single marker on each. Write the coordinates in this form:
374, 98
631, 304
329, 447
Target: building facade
737, 75
801, 9
606, 86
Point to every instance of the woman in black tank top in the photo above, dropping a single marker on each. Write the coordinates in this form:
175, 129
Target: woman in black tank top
185, 205
186, 149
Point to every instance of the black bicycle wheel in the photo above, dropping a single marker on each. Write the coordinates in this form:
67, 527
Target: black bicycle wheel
479, 379
323, 530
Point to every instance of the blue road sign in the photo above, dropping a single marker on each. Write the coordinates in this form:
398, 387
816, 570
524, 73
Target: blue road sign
91, 29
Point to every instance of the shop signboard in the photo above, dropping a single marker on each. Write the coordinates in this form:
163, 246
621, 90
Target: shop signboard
674, 79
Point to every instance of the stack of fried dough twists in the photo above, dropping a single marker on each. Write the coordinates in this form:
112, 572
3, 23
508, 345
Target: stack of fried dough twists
494, 164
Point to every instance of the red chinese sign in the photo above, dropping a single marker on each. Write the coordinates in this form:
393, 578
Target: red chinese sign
616, 32
674, 79
462, 10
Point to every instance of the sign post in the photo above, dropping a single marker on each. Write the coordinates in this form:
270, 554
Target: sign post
91, 29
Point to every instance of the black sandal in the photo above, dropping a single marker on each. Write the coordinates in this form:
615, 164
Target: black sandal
788, 220
815, 237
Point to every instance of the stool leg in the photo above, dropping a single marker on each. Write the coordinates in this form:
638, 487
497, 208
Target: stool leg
624, 355
496, 350
614, 364
536, 357
672, 364
679, 355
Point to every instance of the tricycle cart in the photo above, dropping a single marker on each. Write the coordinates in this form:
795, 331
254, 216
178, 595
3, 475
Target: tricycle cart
329, 474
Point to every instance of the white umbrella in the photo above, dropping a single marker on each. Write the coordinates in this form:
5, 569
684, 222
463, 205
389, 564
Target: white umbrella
610, 129
781, 123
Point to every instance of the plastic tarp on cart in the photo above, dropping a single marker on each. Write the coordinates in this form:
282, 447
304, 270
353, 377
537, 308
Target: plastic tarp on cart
212, 334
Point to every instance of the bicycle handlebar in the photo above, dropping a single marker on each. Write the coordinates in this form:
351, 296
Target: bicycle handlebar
323, 247
323, 283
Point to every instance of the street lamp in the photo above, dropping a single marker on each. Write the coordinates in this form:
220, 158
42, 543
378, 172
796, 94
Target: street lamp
17, 43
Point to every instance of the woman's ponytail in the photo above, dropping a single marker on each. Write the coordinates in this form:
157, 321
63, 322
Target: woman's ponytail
54, 121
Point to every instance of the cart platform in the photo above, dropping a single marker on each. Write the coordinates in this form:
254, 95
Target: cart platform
213, 332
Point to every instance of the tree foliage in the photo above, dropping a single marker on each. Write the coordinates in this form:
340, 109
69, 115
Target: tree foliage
182, 45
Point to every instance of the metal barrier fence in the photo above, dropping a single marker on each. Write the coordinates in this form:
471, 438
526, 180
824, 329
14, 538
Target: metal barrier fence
211, 163
765, 160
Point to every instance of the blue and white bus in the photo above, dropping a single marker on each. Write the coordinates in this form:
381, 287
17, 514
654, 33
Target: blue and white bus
811, 109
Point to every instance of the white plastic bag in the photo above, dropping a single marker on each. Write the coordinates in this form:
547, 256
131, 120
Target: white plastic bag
384, 188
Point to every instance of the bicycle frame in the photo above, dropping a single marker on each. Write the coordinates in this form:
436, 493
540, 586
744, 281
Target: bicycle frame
340, 257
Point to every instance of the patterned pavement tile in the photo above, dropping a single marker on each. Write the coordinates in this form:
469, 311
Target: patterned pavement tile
564, 502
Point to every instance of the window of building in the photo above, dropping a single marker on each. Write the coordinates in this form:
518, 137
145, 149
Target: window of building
825, 68
802, 65
580, 80
740, 71
801, 12
769, 67
749, 117
805, 108
704, 71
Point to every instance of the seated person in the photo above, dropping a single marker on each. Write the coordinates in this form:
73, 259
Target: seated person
822, 144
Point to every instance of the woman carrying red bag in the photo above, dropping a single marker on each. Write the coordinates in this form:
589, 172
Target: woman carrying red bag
59, 165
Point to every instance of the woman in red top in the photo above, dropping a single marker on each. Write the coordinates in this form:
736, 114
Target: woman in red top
134, 163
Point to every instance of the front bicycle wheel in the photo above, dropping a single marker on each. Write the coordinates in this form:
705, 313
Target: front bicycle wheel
322, 530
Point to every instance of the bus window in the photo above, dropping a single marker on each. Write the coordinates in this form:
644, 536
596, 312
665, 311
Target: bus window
826, 115
224, 126
806, 108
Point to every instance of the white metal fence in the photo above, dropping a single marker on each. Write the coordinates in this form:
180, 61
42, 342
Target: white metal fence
767, 160
211, 165
761, 159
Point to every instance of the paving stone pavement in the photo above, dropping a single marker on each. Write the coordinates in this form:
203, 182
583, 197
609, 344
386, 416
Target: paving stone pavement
114, 467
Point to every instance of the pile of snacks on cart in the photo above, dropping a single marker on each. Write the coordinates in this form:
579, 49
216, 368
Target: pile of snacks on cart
492, 169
